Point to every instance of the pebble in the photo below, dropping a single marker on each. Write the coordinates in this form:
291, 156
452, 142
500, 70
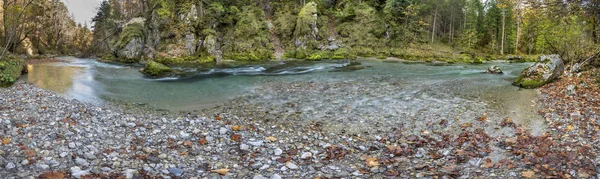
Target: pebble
291, 165
244, 147
258, 177
129, 173
25, 162
278, 151
223, 131
43, 167
81, 162
162, 156
176, 171
306, 155
10, 165
275, 176
147, 150
256, 143
77, 172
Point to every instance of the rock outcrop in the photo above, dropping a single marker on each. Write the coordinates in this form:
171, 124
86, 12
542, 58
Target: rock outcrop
130, 46
547, 69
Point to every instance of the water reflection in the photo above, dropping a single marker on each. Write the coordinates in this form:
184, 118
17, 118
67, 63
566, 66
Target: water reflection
53, 77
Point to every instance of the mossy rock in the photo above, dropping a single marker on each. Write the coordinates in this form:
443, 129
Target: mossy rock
547, 69
353, 66
11, 69
155, 69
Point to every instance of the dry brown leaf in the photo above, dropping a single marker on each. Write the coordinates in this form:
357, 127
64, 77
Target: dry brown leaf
52, 175
218, 118
187, 143
371, 161
236, 137
528, 174
202, 141
272, 139
235, 128
5, 141
487, 163
223, 171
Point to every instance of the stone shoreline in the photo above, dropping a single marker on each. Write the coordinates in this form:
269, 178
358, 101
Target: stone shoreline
42, 132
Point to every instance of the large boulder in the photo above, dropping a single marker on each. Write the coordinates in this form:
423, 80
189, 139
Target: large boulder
547, 69
494, 70
155, 69
130, 46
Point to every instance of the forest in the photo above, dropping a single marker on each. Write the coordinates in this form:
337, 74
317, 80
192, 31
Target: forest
446, 30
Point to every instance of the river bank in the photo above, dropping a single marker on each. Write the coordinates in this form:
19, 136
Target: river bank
366, 126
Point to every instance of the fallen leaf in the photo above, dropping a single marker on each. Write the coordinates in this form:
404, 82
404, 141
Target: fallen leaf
187, 143
5, 141
235, 128
52, 175
202, 141
487, 163
390, 173
223, 171
272, 139
236, 137
570, 127
528, 174
371, 161
218, 118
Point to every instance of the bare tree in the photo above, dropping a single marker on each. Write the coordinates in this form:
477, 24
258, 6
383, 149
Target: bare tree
15, 24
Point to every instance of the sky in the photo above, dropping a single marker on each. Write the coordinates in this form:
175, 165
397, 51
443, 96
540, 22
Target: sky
83, 10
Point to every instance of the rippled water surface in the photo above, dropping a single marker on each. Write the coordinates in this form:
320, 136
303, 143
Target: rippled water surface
199, 88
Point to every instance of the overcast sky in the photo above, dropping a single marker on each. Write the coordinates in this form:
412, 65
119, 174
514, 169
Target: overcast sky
83, 10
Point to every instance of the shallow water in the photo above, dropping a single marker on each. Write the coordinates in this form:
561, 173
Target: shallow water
95, 82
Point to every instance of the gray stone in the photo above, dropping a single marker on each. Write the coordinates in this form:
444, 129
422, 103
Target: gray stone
162, 156
10, 165
275, 176
306, 155
256, 143
291, 165
244, 147
77, 172
223, 131
278, 151
129, 173
43, 167
25, 162
81, 162
258, 177
176, 171
571, 90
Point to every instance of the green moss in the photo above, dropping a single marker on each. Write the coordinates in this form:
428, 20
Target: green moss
343, 53
11, 69
528, 83
302, 54
258, 55
156, 69
477, 60
131, 31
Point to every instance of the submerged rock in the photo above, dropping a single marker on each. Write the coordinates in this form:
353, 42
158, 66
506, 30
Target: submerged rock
156, 69
353, 66
547, 69
494, 70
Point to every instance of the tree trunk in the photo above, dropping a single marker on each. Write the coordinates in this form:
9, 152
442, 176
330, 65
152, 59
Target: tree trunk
433, 27
519, 17
503, 25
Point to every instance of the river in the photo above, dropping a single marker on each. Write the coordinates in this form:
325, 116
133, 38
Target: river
382, 89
